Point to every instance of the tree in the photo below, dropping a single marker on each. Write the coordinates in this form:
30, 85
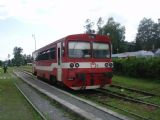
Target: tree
156, 42
131, 46
99, 25
9, 63
116, 33
88, 26
1, 63
148, 36
17, 52
27, 59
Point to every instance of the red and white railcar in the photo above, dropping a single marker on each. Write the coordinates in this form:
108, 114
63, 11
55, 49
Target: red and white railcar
81, 61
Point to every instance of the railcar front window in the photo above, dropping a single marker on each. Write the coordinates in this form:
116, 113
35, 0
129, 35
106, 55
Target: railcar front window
101, 50
79, 49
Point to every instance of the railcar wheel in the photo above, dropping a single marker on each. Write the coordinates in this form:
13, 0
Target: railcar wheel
53, 79
35, 73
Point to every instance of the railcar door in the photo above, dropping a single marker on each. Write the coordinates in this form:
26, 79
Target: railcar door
59, 62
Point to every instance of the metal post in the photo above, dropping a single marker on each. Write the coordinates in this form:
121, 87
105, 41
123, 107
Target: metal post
33, 35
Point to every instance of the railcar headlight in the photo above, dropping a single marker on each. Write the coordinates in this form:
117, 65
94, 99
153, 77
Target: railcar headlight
71, 65
107, 65
77, 65
111, 64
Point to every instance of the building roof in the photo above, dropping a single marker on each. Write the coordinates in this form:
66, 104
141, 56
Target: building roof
141, 53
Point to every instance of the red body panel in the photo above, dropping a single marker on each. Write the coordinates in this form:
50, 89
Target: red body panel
92, 77
91, 72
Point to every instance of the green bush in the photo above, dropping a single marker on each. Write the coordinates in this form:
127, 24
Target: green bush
138, 67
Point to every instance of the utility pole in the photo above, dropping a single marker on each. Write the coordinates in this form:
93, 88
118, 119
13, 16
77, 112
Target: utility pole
33, 35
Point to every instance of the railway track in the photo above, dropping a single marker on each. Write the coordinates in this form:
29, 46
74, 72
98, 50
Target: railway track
104, 94
101, 98
126, 97
138, 95
134, 90
83, 108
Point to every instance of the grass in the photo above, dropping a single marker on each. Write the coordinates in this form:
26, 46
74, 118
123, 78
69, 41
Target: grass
12, 103
26, 68
149, 85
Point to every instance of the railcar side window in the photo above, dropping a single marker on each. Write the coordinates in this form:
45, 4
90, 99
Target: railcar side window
101, 50
53, 53
79, 49
44, 55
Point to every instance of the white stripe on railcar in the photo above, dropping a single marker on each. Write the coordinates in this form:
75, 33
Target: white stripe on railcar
67, 65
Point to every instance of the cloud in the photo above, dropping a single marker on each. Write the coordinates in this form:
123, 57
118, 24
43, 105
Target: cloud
53, 19
68, 16
29, 10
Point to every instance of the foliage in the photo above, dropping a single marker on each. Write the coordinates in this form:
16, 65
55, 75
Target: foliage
138, 67
131, 46
116, 33
1, 63
27, 59
148, 36
19, 59
99, 25
112, 29
88, 26
17, 52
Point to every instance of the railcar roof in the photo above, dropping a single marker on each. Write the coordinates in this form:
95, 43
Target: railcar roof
74, 36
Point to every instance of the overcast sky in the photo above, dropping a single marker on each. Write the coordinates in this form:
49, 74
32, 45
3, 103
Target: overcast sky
50, 20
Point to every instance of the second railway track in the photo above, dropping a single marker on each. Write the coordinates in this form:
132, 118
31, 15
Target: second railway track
134, 90
127, 98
